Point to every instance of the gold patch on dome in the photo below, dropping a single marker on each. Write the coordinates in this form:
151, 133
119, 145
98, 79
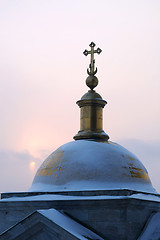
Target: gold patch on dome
138, 172
128, 157
53, 166
112, 143
134, 171
133, 159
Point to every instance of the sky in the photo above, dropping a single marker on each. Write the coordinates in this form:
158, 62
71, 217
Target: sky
43, 72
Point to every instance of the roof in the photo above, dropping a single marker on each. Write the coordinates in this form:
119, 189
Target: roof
48, 224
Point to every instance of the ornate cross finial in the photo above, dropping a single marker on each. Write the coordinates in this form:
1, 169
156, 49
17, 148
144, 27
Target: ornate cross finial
92, 51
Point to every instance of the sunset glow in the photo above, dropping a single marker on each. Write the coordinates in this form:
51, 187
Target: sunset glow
32, 166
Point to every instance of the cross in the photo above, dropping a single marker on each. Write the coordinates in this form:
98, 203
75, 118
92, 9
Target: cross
92, 51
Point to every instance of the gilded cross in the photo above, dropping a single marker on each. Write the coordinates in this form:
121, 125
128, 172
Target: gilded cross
92, 71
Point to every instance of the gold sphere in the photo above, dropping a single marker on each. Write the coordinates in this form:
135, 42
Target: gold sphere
92, 81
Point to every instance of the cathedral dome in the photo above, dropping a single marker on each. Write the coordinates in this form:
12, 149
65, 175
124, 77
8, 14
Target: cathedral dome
91, 165
92, 162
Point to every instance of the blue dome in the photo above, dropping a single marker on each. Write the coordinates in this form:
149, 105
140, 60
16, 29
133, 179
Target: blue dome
89, 165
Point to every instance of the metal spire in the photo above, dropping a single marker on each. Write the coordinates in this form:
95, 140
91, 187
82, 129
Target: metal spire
91, 106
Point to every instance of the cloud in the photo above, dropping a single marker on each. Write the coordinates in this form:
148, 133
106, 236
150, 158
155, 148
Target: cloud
15, 172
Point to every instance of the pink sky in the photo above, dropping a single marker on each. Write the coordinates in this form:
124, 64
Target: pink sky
43, 72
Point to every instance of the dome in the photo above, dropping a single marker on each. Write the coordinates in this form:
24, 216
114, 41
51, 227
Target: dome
91, 165
91, 162
91, 94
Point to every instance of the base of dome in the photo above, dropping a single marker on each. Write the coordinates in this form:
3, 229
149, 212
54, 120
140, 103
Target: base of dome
85, 186
90, 193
